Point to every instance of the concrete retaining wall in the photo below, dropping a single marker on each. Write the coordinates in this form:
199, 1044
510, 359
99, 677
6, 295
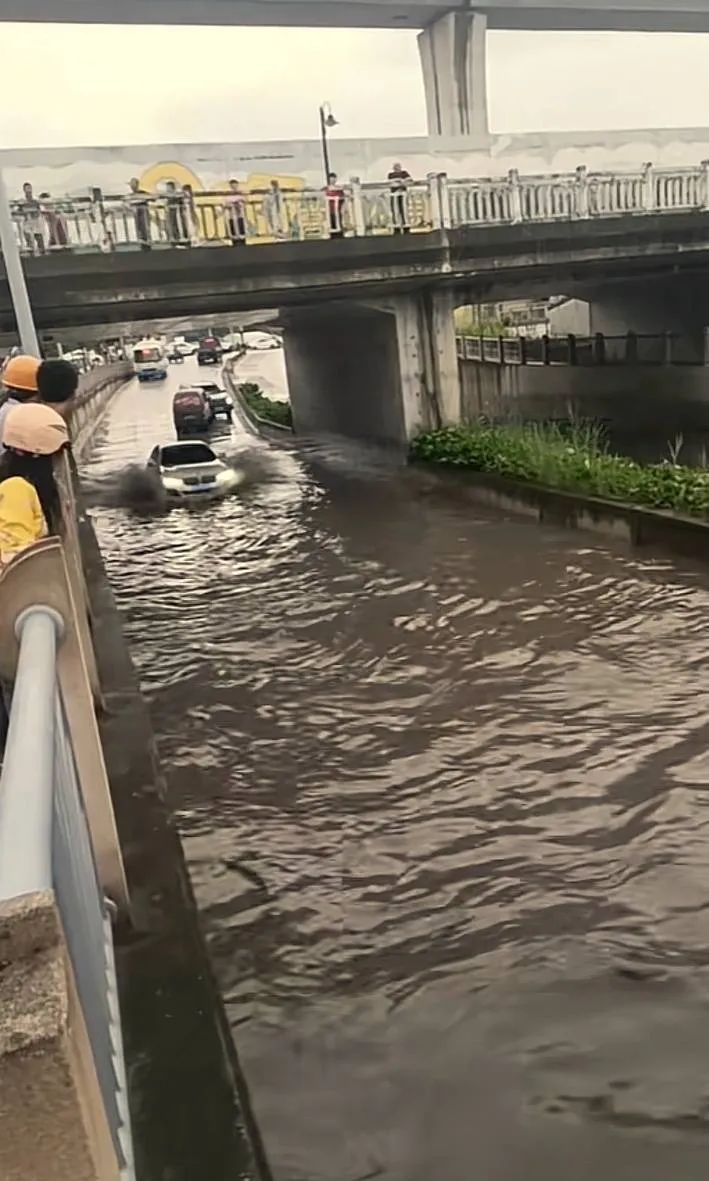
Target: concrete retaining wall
642, 406
260, 426
96, 388
667, 531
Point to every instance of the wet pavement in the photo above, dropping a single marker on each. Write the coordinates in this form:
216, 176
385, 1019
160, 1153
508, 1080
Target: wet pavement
441, 780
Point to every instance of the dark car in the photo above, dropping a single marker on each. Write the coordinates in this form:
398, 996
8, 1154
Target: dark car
191, 412
209, 351
175, 358
220, 401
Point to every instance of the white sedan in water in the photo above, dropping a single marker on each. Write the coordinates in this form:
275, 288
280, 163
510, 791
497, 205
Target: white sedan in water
190, 470
262, 341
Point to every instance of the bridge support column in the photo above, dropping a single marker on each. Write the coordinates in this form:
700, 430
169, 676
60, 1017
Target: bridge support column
454, 59
381, 372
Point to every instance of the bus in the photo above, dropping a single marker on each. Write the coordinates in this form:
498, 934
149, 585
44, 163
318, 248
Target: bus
150, 360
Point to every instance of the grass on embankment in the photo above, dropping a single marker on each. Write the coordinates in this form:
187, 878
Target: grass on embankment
571, 460
257, 402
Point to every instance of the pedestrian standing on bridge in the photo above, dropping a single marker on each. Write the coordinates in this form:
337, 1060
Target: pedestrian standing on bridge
191, 219
176, 220
399, 181
19, 380
139, 204
32, 221
29, 499
335, 196
274, 210
55, 221
236, 214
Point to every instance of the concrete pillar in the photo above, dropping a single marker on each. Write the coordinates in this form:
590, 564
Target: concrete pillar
378, 372
428, 360
446, 375
343, 373
453, 57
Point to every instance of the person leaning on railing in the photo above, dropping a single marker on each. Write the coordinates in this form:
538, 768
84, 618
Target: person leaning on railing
19, 385
25, 380
32, 435
29, 499
399, 182
138, 202
235, 205
57, 383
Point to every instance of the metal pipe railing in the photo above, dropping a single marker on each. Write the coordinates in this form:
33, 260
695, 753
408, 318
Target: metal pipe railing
46, 848
663, 348
27, 779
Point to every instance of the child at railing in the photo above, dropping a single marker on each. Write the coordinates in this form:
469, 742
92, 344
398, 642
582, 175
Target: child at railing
29, 501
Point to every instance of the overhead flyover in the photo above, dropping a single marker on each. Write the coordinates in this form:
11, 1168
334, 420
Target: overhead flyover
452, 37
631, 15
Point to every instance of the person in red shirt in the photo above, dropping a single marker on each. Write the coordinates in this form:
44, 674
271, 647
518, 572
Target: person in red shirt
335, 195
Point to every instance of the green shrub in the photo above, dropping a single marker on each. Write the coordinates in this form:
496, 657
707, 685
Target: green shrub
263, 407
573, 459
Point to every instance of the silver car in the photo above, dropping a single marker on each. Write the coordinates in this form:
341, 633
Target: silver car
190, 470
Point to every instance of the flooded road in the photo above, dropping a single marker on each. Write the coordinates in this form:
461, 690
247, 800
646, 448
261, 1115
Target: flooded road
441, 779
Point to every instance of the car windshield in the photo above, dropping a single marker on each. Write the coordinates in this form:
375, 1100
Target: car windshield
146, 355
186, 454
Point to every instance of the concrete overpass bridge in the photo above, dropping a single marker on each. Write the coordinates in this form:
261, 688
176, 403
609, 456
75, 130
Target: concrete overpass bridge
452, 40
369, 321
650, 15
373, 312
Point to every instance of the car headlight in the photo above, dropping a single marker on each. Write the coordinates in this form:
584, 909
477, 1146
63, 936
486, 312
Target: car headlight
227, 478
172, 484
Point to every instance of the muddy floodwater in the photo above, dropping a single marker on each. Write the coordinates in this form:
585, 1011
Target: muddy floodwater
441, 779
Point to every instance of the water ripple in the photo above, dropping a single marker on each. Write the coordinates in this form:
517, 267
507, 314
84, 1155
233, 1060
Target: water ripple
441, 779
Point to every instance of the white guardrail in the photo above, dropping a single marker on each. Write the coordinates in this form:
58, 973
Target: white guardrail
187, 219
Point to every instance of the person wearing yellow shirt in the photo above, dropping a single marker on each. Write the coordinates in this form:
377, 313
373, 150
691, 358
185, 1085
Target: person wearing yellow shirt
32, 434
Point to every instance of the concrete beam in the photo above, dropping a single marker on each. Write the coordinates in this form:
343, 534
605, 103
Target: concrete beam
481, 264
650, 15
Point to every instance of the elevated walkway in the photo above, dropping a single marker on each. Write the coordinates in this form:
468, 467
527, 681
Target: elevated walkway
486, 239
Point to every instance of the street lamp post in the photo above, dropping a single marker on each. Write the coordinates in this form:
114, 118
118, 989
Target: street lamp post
327, 120
16, 277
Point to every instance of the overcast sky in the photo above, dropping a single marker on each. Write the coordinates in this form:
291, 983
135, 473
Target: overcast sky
113, 85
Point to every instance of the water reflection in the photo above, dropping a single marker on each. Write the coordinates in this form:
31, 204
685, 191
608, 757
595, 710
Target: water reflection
441, 780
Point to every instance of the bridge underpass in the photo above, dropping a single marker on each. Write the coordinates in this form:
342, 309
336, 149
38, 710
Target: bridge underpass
439, 775
369, 334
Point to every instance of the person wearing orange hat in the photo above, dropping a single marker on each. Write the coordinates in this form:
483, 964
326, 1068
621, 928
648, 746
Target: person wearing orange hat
29, 501
19, 379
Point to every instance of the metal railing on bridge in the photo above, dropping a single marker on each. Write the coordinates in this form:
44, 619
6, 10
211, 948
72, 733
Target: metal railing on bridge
186, 219
664, 348
61, 879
